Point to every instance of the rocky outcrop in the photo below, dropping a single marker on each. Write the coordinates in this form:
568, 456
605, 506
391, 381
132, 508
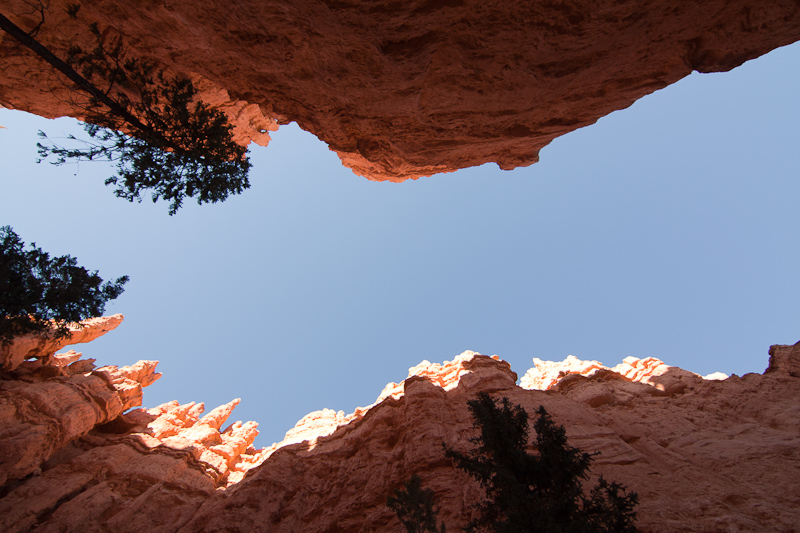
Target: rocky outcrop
709, 455
71, 448
148, 470
225, 455
703, 454
44, 345
48, 402
407, 89
662, 378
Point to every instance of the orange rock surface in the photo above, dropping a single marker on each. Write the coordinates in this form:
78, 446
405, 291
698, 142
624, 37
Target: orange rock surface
73, 449
399, 90
707, 455
43, 346
703, 454
407, 89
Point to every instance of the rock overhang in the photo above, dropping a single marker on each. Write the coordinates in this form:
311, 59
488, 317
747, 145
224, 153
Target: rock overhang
403, 90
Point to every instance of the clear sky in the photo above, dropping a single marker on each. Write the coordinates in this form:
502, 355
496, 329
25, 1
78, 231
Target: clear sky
668, 229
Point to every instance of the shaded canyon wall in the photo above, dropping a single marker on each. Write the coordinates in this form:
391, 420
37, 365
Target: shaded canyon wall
406, 89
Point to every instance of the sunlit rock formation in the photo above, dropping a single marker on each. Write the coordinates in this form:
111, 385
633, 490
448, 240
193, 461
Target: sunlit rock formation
36, 346
47, 407
406, 89
75, 455
703, 454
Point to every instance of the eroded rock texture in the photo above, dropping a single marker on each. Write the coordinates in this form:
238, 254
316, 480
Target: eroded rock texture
43, 347
703, 454
411, 88
75, 457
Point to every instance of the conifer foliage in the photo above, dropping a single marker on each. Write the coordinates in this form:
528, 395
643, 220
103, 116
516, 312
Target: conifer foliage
37, 291
536, 492
414, 507
151, 126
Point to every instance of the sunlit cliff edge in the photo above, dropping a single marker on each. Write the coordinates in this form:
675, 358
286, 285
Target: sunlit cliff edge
705, 454
407, 89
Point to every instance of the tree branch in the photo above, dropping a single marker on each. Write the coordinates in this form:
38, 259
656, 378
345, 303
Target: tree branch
82, 83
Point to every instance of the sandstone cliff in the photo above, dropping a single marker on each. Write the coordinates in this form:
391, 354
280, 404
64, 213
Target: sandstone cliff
44, 347
405, 89
398, 90
68, 454
703, 454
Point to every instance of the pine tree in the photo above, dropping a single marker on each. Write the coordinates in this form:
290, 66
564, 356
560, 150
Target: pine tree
414, 507
540, 492
150, 125
37, 291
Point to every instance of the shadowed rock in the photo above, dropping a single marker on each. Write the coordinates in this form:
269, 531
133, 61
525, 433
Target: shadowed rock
407, 89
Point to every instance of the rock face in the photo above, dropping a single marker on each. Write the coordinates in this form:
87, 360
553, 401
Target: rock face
31, 346
406, 89
47, 407
399, 90
75, 457
703, 454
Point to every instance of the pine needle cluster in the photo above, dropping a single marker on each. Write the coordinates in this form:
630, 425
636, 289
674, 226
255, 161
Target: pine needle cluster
38, 292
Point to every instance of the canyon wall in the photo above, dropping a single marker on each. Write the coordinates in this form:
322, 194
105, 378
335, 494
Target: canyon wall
399, 90
704, 454
75, 456
407, 89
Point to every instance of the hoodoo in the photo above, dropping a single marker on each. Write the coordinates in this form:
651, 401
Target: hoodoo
703, 454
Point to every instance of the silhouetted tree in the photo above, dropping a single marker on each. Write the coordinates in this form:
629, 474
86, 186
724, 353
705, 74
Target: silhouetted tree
539, 492
151, 126
37, 292
414, 507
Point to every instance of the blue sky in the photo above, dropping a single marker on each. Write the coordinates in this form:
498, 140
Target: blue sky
668, 229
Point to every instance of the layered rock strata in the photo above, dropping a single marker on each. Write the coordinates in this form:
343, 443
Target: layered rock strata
703, 454
47, 407
75, 456
406, 89
35, 346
